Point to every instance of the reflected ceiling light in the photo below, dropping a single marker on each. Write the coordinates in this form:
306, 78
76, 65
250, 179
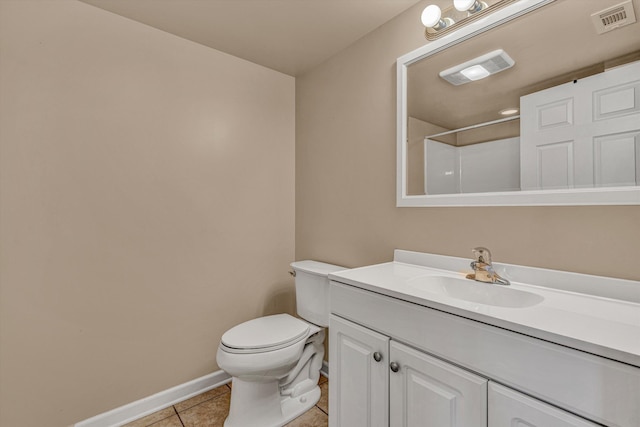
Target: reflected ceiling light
509, 111
475, 72
478, 68
440, 22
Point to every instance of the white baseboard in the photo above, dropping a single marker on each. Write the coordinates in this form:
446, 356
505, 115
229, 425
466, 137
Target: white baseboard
148, 405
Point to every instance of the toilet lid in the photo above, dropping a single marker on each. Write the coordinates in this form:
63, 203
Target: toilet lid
266, 332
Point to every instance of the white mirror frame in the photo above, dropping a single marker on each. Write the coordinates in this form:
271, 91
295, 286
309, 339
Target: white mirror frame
584, 196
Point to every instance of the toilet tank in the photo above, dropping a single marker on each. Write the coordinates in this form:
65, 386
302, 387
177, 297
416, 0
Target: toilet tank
312, 290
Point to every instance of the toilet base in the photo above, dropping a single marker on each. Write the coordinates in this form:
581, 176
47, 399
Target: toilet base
265, 406
293, 407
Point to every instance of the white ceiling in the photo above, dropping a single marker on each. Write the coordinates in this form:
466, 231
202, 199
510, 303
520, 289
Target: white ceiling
290, 36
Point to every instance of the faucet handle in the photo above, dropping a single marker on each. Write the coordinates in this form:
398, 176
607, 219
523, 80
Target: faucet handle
482, 254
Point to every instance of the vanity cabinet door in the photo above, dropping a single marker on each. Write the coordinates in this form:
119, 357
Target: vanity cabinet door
359, 386
508, 408
428, 392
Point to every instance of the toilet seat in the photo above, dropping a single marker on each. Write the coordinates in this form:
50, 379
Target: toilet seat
264, 334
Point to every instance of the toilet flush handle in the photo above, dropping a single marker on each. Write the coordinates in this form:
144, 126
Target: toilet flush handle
293, 273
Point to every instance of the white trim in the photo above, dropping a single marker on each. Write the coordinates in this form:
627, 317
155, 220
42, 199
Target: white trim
570, 197
148, 405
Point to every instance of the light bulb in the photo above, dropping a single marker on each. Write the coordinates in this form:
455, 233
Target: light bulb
463, 5
431, 16
471, 6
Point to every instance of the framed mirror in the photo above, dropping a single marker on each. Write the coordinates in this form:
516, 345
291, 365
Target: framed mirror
573, 135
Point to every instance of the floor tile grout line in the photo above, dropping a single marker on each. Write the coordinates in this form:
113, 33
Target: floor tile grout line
325, 412
178, 414
156, 421
201, 402
182, 423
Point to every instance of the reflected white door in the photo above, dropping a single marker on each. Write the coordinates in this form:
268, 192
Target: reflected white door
583, 134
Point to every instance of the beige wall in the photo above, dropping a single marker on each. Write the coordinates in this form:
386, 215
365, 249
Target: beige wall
345, 181
147, 205
140, 173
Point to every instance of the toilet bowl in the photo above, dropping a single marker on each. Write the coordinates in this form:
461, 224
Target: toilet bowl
275, 361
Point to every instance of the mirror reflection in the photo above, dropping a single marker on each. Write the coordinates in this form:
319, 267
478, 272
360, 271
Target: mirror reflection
563, 113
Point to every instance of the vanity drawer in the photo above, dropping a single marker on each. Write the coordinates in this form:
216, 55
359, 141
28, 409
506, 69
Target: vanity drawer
508, 408
596, 388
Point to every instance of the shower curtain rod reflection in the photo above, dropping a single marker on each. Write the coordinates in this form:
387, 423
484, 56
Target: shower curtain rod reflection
479, 125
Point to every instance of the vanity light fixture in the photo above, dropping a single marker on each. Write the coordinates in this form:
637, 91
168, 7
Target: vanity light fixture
478, 68
440, 22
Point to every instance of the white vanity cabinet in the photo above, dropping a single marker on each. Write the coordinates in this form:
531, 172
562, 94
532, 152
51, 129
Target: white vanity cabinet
380, 382
397, 363
377, 381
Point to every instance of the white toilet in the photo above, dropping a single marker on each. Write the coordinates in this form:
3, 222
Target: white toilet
275, 360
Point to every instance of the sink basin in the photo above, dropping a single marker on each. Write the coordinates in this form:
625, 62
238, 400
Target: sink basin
476, 292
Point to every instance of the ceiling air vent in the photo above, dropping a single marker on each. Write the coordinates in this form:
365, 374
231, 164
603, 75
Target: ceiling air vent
614, 17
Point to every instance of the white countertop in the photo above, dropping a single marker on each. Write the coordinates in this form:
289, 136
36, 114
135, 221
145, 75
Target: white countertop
603, 319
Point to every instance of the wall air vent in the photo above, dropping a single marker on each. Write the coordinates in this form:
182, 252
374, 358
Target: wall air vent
614, 17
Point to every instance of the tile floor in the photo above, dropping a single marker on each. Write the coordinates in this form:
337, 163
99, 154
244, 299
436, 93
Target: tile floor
210, 408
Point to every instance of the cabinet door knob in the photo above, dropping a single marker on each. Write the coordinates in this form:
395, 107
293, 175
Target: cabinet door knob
394, 366
377, 356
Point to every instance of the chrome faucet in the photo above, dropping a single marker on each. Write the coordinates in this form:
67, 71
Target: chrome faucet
483, 269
